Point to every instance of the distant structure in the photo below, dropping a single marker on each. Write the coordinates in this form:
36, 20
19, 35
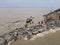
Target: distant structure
52, 16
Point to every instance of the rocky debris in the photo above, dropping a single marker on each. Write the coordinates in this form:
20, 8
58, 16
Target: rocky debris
57, 23
29, 31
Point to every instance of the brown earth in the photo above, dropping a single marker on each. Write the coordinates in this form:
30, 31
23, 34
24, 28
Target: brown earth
49, 39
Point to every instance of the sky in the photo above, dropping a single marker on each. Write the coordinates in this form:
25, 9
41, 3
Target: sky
30, 3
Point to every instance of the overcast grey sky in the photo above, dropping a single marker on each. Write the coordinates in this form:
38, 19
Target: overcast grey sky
30, 3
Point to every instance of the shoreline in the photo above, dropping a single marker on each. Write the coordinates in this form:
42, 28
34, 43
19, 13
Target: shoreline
44, 33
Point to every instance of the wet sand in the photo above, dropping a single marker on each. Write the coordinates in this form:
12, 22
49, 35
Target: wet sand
49, 39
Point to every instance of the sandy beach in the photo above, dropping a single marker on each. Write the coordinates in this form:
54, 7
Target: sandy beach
8, 15
49, 39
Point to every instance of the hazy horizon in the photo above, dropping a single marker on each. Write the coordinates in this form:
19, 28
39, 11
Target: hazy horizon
13, 14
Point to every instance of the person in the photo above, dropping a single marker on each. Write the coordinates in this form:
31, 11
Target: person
42, 22
39, 22
26, 25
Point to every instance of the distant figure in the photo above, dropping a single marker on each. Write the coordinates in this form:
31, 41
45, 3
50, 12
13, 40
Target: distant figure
39, 22
26, 25
28, 20
42, 22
